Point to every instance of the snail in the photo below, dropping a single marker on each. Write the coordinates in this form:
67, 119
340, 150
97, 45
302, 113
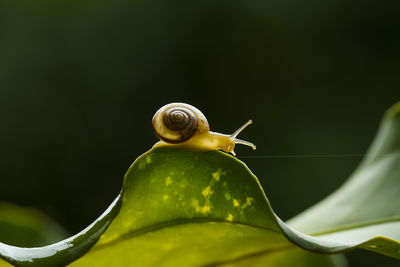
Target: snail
185, 125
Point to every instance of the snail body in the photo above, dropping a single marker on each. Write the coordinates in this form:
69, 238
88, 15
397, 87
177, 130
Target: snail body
184, 125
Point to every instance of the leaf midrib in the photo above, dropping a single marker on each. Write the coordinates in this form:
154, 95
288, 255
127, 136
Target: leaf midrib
252, 255
159, 226
375, 160
357, 225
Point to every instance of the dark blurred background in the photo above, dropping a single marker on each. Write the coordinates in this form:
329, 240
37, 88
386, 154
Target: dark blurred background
81, 80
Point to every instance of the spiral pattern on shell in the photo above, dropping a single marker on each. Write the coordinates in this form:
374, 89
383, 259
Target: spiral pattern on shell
177, 122
180, 118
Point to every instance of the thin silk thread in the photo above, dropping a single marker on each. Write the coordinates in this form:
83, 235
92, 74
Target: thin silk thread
306, 156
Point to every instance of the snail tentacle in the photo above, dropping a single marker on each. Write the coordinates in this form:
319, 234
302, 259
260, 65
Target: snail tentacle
184, 125
240, 141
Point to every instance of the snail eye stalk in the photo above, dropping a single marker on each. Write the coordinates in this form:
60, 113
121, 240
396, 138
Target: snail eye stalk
240, 141
183, 125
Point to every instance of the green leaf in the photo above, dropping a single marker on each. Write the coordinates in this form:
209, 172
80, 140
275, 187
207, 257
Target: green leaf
182, 207
372, 192
27, 227
186, 208
63, 252
367, 206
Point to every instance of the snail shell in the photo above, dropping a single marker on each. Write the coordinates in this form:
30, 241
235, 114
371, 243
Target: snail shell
177, 122
185, 125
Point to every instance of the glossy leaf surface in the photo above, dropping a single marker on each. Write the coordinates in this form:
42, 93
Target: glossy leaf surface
367, 206
171, 190
27, 227
185, 208
207, 208
63, 252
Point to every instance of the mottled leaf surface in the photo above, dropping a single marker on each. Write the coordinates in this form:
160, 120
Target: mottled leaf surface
191, 208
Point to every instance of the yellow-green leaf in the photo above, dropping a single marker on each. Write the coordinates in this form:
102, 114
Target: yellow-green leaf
191, 208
